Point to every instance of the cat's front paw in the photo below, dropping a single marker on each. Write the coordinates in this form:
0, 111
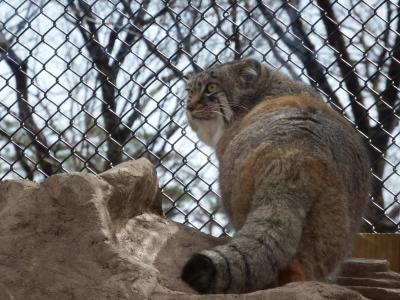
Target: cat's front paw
200, 272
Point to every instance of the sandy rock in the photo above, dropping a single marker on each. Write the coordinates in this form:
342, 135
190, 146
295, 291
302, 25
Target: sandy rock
78, 236
371, 277
362, 265
58, 240
135, 190
294, 291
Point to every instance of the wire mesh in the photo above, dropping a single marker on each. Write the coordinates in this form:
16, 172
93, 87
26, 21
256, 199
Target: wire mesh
85, 85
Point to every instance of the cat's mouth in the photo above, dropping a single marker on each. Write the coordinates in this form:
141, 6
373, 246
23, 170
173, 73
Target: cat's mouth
203, 115
201, 111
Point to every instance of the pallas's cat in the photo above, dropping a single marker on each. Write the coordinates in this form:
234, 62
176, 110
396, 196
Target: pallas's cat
293, 176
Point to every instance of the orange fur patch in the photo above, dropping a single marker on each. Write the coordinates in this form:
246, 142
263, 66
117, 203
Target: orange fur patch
293, 272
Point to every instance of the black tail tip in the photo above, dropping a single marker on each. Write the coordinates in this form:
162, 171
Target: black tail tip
199, 272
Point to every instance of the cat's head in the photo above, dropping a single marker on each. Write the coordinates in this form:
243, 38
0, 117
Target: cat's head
219, 94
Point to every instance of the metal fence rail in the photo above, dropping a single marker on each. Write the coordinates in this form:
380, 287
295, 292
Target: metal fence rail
85, 85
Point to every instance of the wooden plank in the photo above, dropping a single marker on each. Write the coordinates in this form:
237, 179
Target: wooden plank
379, 246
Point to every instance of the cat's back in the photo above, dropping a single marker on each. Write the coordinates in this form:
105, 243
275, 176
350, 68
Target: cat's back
285, 120
302, 124
282, 119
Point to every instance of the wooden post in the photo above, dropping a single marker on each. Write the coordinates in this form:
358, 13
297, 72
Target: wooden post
379, 246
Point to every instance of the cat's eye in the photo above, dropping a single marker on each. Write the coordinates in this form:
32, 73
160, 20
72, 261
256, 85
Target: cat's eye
189, 93
211, 88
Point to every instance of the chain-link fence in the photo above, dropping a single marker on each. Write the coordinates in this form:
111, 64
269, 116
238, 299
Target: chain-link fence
85, 85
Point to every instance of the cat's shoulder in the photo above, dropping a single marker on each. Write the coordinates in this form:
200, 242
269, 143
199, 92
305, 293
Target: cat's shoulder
299, 102
281, 107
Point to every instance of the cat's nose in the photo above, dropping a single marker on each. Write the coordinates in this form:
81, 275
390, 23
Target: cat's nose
192, 105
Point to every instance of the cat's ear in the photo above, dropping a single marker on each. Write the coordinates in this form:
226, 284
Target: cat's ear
250, 70
189, 76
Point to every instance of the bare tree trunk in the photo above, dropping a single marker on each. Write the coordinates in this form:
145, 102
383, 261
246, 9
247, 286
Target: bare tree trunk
43, 155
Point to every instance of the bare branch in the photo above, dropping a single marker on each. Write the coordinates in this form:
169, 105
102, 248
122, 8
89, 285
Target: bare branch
133, 31
20, 156
303, 49
23, 161
114, 33
39, 141
152, 47
387, 116
235, 30
336, 40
